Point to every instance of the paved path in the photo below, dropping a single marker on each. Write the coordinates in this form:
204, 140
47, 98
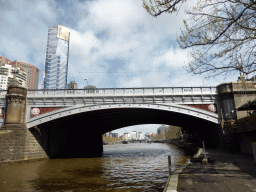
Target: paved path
230, 172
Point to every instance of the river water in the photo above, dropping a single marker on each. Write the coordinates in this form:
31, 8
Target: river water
134, 167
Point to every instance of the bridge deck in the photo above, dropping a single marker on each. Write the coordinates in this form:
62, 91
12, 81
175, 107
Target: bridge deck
125, 91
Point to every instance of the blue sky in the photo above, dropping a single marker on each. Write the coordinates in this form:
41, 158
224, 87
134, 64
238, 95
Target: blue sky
113, 43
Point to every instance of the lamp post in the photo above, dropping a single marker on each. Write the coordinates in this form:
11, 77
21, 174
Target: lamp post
86, 81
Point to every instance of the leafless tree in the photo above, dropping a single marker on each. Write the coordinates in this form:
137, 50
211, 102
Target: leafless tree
220, 33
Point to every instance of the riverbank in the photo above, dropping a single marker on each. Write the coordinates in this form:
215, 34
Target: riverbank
183, 145
228, 172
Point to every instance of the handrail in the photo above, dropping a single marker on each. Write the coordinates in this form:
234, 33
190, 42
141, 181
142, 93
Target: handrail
124, 91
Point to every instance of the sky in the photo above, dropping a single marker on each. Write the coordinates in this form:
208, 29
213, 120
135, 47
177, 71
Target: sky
113, 43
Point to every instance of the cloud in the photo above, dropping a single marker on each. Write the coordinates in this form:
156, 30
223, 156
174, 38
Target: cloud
113, 16
14, 47
172, 58
82, 45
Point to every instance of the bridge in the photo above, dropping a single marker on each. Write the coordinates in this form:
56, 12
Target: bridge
55, 123
47, 105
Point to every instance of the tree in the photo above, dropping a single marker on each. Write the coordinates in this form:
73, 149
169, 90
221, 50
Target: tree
157, 7
173, 132
220, 33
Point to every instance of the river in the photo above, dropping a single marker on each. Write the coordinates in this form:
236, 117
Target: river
134, 167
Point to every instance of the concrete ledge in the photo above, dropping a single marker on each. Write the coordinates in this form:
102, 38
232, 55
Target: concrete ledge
172, 181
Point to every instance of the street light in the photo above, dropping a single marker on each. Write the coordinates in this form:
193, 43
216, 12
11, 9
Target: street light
86, 81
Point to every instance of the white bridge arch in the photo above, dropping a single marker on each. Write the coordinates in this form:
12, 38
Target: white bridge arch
64, 112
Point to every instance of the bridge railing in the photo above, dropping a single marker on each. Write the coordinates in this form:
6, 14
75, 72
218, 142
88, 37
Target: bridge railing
124, 91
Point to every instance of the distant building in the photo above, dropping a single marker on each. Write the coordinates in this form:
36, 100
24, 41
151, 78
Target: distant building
4, 60
141, 136
6, 76
32, 73
134, 135
162, 129
108, 134
125, 136
114, 135
90, 88
56, 61
72, 85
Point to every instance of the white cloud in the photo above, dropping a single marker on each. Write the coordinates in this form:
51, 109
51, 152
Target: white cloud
134, 82
13, 47
118, 48
172, 58
82, 44
116, 16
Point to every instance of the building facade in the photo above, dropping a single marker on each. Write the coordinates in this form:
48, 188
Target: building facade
4, 60
32, 73
72, 85
114, 135
56, 60
141, 136
7, 73
125, 136
134, 135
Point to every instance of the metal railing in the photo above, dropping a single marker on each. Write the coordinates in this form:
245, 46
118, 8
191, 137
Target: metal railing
124, 91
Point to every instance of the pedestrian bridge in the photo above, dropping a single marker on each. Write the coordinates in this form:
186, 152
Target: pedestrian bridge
48, 105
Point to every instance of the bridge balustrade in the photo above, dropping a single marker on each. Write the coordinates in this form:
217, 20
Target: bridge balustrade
120, 91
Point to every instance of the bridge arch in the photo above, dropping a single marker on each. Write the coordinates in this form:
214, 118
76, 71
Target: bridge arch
117, 109
77, 131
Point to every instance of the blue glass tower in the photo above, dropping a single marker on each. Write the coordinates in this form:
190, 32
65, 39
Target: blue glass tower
56, 60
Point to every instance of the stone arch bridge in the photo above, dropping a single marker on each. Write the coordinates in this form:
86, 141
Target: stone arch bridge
60, 119
47, 105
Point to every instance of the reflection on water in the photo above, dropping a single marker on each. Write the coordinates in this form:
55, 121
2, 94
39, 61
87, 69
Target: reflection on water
122, 168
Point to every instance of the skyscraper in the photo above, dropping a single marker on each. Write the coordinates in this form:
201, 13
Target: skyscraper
32, 73
56, 60
6, 76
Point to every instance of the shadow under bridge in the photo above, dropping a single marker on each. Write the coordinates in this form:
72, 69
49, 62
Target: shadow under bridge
80, 134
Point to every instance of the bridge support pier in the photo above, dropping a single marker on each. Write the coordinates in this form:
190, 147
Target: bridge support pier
73, 144
69, 138
16, 141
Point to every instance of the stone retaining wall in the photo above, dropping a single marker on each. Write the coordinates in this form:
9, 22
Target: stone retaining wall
20, 145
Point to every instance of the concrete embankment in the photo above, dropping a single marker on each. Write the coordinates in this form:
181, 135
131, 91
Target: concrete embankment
172, 181
228, 172
183, 145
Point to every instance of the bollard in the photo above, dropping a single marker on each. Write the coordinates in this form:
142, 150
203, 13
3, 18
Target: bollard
169, 164
204, 149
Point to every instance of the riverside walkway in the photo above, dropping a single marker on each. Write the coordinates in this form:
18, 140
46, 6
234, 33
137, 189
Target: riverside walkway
231, 172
